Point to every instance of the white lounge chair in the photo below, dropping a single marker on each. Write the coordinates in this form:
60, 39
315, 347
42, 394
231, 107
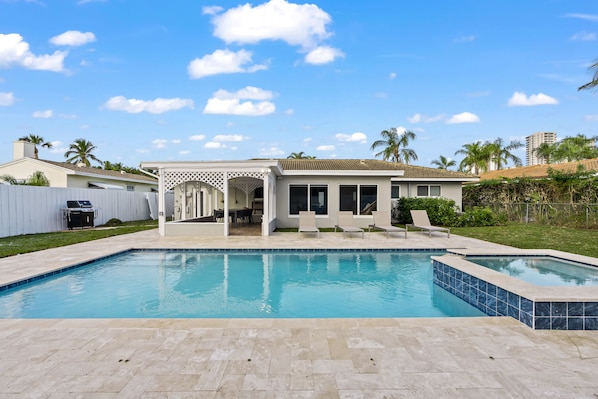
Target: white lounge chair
422, 222
307, 222
382, 222
346, 224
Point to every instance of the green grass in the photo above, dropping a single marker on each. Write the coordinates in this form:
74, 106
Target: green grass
535, 236
22, 244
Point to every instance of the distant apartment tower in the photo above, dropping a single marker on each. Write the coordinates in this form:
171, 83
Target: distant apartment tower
532, 142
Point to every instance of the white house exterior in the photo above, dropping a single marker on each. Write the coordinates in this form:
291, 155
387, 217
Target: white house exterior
279, 189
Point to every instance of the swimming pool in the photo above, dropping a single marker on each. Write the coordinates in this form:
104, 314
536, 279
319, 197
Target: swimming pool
541, 270
272, 284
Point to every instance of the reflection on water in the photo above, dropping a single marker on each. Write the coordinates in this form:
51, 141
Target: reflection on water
545, 271
273, 284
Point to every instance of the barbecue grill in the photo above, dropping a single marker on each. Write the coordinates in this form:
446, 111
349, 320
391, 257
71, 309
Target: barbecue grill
79, 214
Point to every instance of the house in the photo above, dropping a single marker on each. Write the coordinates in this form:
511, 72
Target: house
62, 174
541, 171
277, 189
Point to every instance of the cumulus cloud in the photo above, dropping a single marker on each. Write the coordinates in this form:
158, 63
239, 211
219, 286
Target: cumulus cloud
159, 143
464, 117
323, 55
587, 17
14, 51
197, 137
271, 152
325, 148
6, 99
256, 102
157, 106
355, 137
43, 114
73, 38
296, 24
584, 36
184, 152
228, 137
214, 145
419, 118
223, 61
519, 99
392, 75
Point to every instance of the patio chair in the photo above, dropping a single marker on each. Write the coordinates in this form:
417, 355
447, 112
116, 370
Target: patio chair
307, 222
346, 224
382, 222
422, 222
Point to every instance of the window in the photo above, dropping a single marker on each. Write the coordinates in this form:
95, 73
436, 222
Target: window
428, 191
300, 201
395, 191
365, 202
130, 188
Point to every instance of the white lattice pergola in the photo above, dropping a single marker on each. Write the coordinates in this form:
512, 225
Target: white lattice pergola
245, 176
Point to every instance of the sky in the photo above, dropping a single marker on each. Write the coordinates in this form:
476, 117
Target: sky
147, 80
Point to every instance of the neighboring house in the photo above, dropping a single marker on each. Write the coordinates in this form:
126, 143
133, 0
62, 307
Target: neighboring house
62, 174
279, 189
541, 171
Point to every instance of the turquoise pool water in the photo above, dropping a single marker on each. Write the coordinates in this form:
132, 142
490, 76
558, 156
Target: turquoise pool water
541, 270
271, 284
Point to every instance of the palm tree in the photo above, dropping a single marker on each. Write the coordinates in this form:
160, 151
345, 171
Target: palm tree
476, 157
594, 82
36, 140
576, 148
545, 151
300, 155
395, 146
81, 151
36, 179
443, 162
501, 154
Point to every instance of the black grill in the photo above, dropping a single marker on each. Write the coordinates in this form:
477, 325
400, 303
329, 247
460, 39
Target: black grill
79, 214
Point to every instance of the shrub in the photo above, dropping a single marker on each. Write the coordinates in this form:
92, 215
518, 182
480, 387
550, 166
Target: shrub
114, 222
441, 211
479, 216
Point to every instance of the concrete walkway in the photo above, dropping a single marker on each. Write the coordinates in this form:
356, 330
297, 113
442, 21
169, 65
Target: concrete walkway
288, 358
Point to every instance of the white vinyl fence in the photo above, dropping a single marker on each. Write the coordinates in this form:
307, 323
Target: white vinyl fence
30, 209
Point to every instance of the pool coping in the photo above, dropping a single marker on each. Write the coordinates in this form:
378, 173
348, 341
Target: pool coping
497, 294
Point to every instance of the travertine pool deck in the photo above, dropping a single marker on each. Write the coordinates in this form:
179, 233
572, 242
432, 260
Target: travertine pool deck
285, 358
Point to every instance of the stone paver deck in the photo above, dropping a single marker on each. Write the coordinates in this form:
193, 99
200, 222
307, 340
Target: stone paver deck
284, 358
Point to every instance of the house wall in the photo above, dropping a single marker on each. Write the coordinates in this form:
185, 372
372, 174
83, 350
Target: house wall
77, 181
449, 190
23, 170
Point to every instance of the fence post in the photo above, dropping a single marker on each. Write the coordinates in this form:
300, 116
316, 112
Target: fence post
526, 213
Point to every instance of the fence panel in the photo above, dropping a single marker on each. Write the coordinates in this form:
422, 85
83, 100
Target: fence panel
30, 209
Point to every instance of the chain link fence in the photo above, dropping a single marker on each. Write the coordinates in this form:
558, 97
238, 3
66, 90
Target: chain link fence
565, 214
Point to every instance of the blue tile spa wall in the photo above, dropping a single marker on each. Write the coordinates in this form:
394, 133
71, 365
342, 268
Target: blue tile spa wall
496, 301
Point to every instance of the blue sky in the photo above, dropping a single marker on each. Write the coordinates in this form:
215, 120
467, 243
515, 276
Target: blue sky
226, 80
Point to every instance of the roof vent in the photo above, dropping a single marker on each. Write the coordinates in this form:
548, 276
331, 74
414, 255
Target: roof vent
362, 161
80, 164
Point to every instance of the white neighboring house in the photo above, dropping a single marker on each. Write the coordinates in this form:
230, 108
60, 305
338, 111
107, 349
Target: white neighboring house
62, 174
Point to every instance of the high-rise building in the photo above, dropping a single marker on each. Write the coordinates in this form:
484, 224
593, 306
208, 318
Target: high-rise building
532, 142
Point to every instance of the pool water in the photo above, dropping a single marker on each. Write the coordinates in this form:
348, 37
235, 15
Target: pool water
196, 284
541, 270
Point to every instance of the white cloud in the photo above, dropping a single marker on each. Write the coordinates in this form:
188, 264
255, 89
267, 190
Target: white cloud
392, 75
296, 24
15, 52
417, 118
289, 111
214, 145
584, 36
227, 103
520, 99
197, 137
464, 117
323, 55
222, 61
271, 152
159, 143
465, 39
42, 114
211, 10
184, 152
325, 148
6, 99
73, 38
587, 17
157, 106
592, 118
229, 137
355, 137
176, 141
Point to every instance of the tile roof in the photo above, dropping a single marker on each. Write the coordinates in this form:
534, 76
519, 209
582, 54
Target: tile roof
411, 171
101, 172
539, 171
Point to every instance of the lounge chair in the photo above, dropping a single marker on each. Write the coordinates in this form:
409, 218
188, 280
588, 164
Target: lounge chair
307, 222
346, 224
382, 222
422, 222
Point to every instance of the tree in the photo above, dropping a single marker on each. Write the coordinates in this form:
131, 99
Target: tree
36, 140
81, 151
545, 151
395, 146
576, 148
594, 82
443, 162
300, 155
476, 157
500, 154
36, 179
